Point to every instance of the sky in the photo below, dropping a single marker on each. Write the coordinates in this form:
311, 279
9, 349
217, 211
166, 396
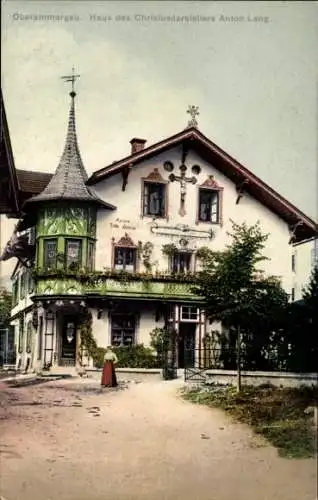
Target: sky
250, 67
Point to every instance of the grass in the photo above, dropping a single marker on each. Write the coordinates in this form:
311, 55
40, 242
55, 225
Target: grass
278, 414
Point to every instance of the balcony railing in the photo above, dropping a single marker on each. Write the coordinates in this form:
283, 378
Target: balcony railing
157, 285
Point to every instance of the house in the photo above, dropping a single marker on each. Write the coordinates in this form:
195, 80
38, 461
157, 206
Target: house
122, 245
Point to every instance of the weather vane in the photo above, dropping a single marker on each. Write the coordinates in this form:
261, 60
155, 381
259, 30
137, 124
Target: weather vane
71, 78
193, 111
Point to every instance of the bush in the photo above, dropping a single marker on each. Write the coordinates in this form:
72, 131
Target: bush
159, 341
136, 356
98, 357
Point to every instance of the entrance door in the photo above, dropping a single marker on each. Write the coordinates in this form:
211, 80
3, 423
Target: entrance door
68, 341
186, 345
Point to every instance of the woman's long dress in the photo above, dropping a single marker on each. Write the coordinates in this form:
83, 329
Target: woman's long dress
109, 376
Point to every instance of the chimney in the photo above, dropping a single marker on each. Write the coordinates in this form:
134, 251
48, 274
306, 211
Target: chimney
137, 145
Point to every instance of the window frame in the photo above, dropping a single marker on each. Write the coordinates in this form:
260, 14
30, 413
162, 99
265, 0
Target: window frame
190, 320
147, 182
121, 330
79, 262
91, 255
179, 253
45, 242
124, 248
211, 191
23, 285
15, 291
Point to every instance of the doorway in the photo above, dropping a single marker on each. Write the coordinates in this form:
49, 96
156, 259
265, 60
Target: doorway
186, 347
68, 341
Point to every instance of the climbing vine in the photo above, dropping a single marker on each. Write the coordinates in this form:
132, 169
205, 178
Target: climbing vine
89, 347
203, 253
169, 249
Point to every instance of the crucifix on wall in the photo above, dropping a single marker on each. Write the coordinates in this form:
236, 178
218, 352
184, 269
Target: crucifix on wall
183, 186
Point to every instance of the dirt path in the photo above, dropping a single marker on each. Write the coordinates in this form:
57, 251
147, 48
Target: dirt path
67, 440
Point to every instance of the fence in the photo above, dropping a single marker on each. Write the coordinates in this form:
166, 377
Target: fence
199, 360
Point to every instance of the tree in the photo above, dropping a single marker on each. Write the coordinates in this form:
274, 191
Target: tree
304, 327
310, 297
239, 294
5, 308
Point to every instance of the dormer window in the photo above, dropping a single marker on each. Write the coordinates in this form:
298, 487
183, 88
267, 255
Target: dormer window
209, 206
125, 259
154, 199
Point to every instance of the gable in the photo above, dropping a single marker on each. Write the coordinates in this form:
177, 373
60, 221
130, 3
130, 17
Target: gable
301, 226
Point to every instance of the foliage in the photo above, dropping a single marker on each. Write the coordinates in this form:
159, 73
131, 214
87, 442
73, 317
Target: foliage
96, 277
135, 356
278, 414
238, 294
89, 346
5, 308
159, 341
310, 297
300, 329
204, 253
168, 249
145, 252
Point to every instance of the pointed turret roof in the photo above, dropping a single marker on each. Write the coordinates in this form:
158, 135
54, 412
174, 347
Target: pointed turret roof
69, 180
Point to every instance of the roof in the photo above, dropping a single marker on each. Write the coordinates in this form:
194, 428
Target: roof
301, 225
32, 182
9, 199
69, 180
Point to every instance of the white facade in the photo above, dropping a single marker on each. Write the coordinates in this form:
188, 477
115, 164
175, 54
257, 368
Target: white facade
305, 257
129, 223
128, 217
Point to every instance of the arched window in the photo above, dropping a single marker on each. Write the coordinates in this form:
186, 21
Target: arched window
29, 336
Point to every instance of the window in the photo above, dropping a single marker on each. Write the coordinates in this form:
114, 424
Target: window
50, 254
91, 256
209, 205
73, 254
293, 262
189, 313
29, 337
15, 292
154, 199
22, 285
123, 329
181, 262
125, 259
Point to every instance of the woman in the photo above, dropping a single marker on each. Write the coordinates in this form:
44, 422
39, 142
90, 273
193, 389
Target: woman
109, 375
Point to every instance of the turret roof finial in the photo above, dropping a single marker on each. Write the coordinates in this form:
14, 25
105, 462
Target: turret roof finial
71, 78
69, 180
